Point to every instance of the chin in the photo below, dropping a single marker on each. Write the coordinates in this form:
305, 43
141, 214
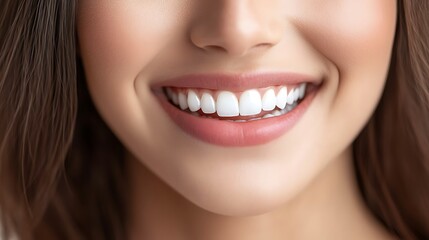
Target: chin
236, 201
239, 189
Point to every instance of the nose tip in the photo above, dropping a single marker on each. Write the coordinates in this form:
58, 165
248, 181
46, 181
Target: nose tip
235, 28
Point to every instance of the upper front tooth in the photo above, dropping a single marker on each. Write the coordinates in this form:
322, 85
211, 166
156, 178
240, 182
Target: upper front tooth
269, 100
207, 103
227, 104
183, 102
282, 97
250, 103
193, 101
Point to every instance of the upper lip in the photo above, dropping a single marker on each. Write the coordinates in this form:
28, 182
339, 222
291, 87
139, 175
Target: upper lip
237, 82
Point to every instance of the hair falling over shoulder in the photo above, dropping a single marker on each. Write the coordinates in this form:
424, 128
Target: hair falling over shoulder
57, 181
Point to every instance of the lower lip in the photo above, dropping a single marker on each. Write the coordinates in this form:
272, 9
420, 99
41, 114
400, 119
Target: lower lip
236, 134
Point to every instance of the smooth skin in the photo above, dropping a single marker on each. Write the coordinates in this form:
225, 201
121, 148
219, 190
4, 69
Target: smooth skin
299, 186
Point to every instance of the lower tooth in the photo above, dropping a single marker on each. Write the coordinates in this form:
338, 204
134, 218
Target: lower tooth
269, 115
253, 119
277, 113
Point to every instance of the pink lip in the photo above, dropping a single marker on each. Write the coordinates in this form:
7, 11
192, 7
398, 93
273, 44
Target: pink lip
237, 134
237, 82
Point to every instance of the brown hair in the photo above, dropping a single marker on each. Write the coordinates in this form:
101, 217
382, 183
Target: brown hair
58, 181
392, 152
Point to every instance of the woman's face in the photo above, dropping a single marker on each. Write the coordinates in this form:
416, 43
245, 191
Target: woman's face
219, 59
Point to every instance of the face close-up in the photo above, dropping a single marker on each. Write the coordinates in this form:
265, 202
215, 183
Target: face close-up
238, 105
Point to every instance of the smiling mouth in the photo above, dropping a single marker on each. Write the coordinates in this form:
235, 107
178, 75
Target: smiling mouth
237, 110
249, 105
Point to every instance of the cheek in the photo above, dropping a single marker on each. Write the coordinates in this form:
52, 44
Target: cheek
118, 40
356, 34
117, 37
356, 39
350, 33
365, 33
359, 42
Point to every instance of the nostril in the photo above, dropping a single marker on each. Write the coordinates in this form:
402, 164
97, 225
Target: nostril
263, 45
215, 48
219, 49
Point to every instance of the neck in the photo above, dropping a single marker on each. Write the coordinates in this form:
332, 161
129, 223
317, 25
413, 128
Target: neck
331, 207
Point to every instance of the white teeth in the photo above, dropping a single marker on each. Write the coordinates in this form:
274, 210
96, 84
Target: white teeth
295, 94
269, 100
194, 102
281, 98
208, 105
250, 103
302, 90
182, 101
227, 104
289, 99
276, 113
253, 119
268, 115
